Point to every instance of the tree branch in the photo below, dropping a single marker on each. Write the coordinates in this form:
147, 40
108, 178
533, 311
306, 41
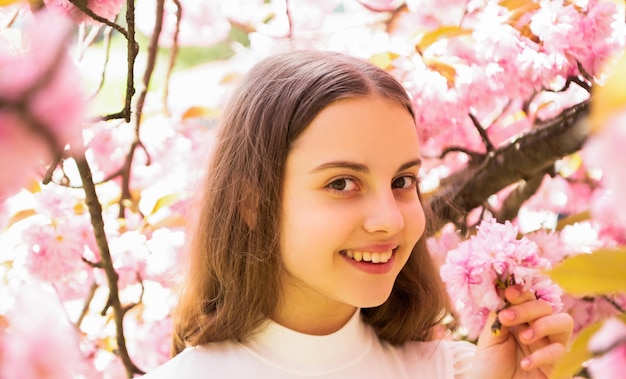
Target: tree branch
522, 159
97, 221
150, 64
82, 5
173, 53
513, 202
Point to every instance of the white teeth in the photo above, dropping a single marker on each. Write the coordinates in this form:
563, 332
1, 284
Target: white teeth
368, 256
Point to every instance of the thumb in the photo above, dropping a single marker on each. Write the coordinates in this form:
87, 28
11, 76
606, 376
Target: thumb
494, 332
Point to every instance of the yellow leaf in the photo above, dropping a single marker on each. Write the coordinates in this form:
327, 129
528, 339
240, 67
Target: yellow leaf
446, 70
196, 112
383, 60
19, 216
165, 201
572, 219
511, 5
439, 33
518, 9
7, 2
571, 164
609, 98
579, 353
601, 272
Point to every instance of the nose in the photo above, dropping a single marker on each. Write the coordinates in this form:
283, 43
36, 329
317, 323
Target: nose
383, 215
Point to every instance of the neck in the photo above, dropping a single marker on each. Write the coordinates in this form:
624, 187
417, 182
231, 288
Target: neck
319, 320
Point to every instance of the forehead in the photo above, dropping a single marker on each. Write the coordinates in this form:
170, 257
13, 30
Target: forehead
368, 126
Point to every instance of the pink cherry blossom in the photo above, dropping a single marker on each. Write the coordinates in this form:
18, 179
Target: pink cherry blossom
203, 22
602, 33
380, 5
129, 253
107, 9
588, 310
54, 106
555, 24
605, 151
107, 145
478, 270
610, 344
165, 253
21, 154
55, 251
39, 343
150, 342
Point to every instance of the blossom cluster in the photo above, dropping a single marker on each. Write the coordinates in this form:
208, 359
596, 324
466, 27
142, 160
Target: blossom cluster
106, 9
480, 268
41, 108
609, 345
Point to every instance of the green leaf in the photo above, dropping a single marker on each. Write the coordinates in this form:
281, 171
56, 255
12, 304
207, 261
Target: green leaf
601, 272
579, 353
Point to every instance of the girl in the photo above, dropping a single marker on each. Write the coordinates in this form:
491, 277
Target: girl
309, 258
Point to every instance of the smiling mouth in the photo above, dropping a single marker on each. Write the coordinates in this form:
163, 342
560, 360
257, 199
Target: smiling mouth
368, 256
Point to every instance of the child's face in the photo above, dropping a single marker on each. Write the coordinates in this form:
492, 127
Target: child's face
349, 194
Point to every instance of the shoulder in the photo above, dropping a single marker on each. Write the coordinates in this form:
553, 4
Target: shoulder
198, 362
445, 357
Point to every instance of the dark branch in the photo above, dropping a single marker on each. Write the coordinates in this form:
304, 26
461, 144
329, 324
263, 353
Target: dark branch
482, 132
97, 221
513, 202
82, 5
523, 159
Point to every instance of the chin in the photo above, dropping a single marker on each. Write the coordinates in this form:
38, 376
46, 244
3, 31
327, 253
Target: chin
374, 299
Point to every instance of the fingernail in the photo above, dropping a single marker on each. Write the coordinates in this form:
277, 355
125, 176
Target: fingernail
507, 314
528, 334
514, 292
525, 363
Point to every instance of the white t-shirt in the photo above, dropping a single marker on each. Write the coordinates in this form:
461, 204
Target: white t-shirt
354, 351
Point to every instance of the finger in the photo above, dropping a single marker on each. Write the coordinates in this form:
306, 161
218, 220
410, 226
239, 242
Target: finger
516, 295
488, 337
525, 312
544, 357
557, 328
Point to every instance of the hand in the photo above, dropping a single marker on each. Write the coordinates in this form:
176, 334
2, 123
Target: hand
531, 341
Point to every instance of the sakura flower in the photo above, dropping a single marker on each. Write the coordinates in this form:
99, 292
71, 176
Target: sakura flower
610, 343
165, 252
107, 9
479, 269
554, 23
150, 341
39, 343
129, 253
605, 151
54, 252
41, 104
602, 33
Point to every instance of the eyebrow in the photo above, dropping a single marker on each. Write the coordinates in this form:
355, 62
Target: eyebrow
361, 167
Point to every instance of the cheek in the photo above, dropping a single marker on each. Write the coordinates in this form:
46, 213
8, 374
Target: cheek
415, 221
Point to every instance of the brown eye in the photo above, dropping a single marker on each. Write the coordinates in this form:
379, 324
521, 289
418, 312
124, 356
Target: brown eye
338, 185
404, 182
343, 185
